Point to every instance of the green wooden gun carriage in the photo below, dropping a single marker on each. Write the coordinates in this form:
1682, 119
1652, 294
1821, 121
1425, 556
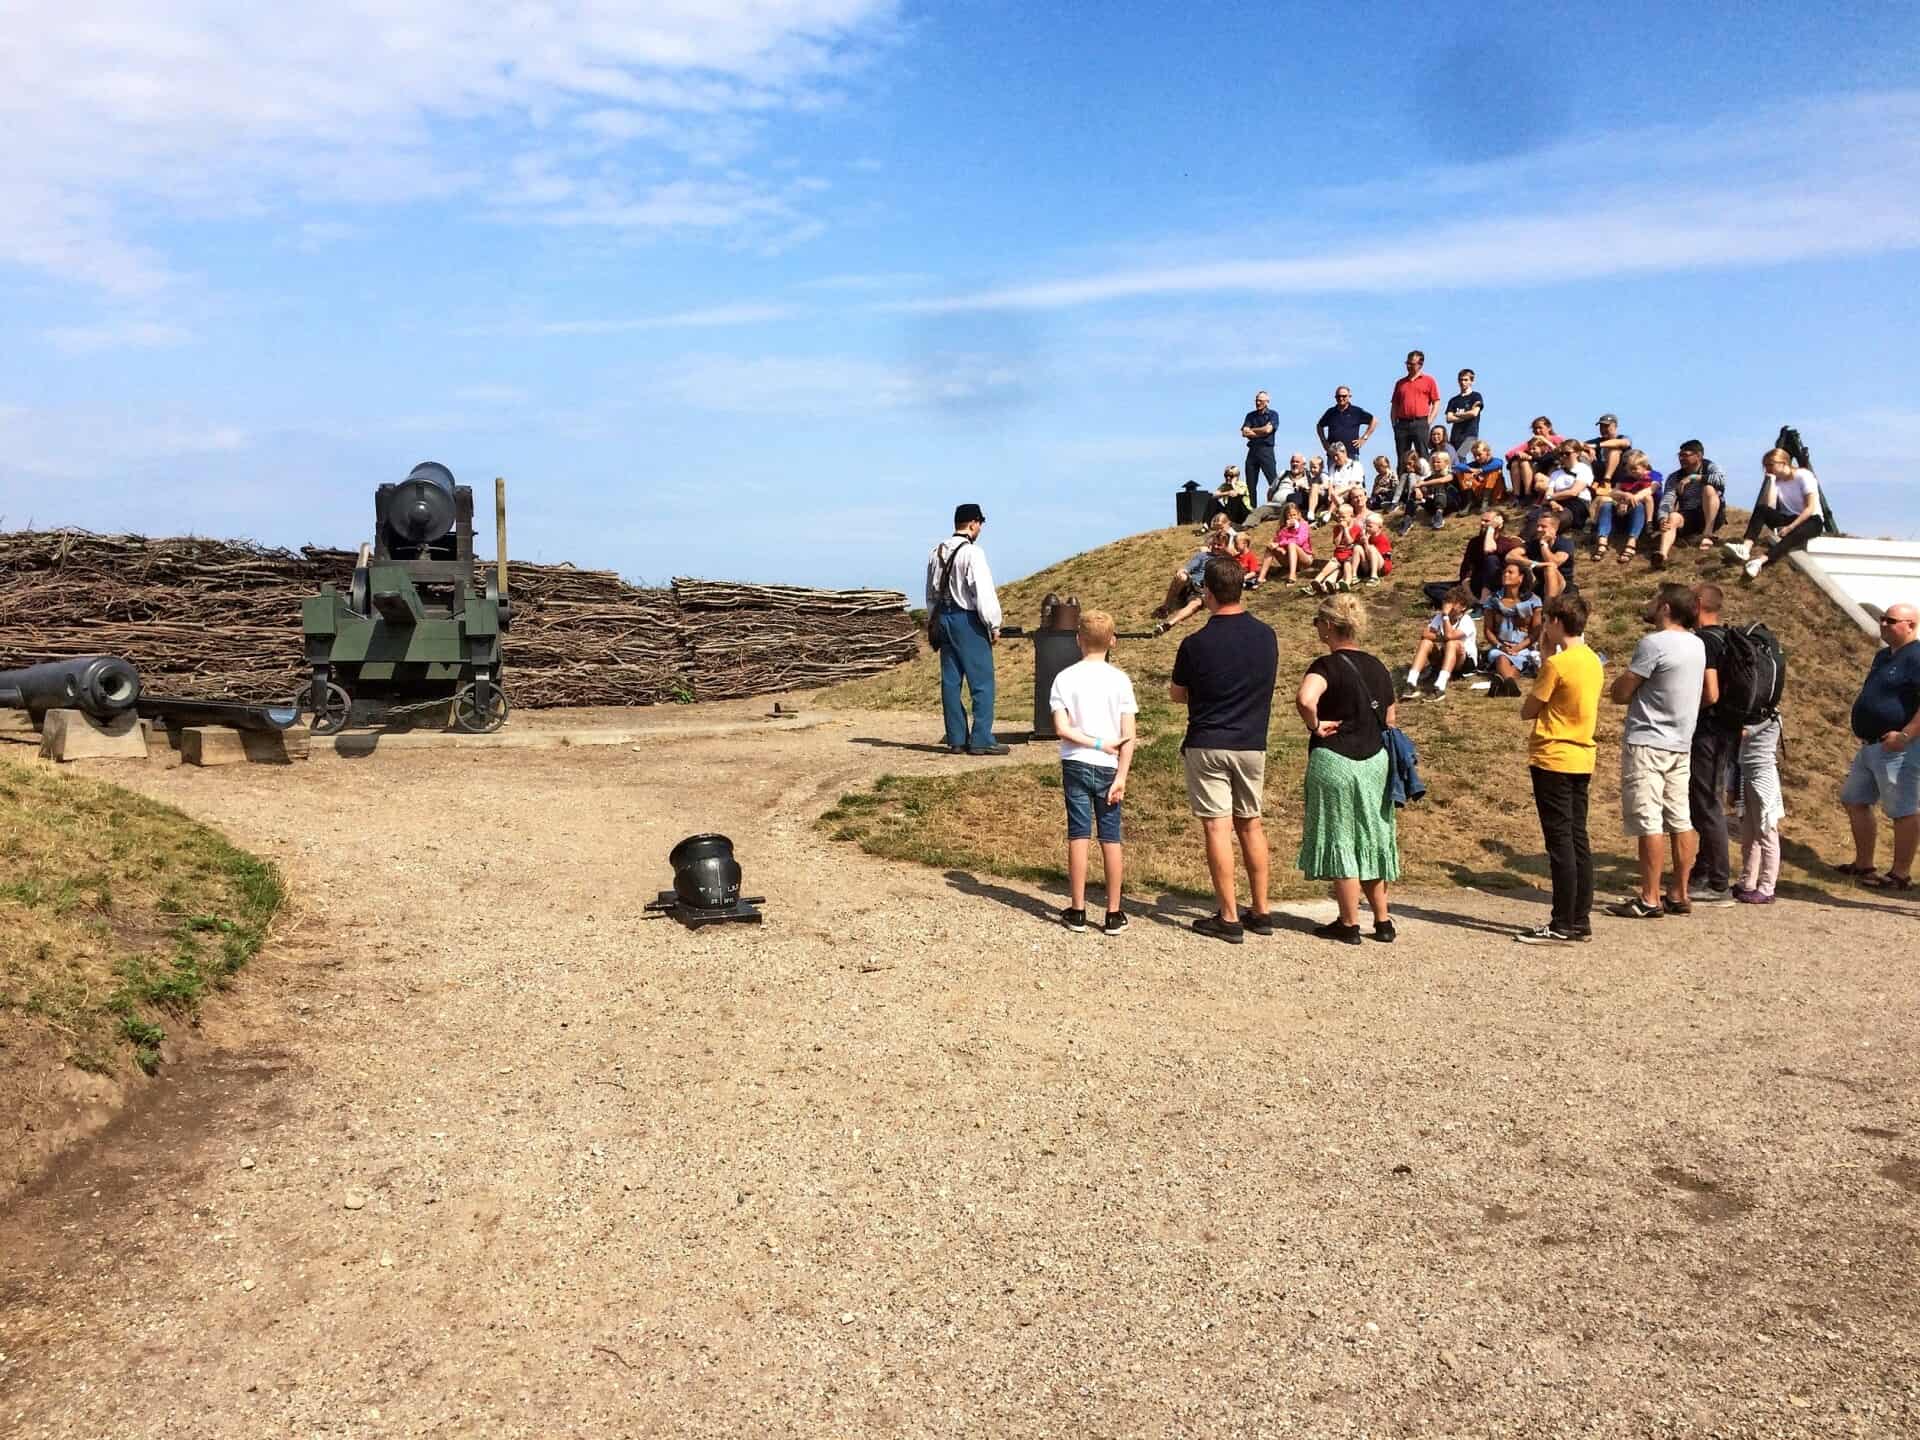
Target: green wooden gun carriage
420, 628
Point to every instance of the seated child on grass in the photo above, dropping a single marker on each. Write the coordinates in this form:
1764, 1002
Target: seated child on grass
1338, 573
1451, 643
1183, 594
1249, 560
1093, 714
1292, 544
1373, 561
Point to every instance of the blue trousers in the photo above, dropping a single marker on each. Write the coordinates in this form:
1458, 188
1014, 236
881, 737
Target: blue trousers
1636, 522
966, 653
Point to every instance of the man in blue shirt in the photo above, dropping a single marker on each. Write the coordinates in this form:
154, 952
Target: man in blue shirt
1344, 423
1257, 429
1886, 721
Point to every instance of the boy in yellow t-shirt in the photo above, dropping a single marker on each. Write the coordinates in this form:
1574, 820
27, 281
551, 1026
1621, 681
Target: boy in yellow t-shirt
1563, 707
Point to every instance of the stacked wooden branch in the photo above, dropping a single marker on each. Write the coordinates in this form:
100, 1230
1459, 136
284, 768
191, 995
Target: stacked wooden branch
221, 620
762, 639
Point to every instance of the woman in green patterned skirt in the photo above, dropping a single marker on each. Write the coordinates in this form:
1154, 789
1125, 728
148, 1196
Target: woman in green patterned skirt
1346, 700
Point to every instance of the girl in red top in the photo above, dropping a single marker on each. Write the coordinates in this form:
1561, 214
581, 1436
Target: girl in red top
1249, 562
1338, 573
1373, 559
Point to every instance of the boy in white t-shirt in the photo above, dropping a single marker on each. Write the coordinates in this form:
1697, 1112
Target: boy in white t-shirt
1451, 639
1093, 714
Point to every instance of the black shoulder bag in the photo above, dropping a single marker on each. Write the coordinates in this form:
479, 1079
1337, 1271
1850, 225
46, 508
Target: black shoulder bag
941, 592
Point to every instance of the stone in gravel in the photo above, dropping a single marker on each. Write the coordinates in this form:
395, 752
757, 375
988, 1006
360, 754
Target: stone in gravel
386, 1259
246, 1162
354, 1199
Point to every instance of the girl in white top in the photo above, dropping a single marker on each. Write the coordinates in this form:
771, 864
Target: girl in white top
1789, 505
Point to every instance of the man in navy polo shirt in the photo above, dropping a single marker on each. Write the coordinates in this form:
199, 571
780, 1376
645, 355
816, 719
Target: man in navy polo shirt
1257, 429
1344, 423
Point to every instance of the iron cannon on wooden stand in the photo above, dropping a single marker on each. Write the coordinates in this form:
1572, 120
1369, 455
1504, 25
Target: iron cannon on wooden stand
420, 627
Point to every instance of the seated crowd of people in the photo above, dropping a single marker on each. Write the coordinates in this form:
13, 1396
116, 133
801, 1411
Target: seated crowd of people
1531, 506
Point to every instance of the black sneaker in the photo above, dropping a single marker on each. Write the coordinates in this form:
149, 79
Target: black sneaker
1231, 931
1635, 909
1676, 907
1384, 932
1074, 920
988, 750
1116, 922
1582, 935
1257, 924
1334, 930
1548, 934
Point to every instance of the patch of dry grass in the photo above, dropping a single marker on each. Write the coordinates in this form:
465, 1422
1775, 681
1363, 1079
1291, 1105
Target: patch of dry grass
1477, 824
116, 913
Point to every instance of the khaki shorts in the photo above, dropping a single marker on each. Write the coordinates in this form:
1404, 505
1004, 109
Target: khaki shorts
1225, 782
1653, 791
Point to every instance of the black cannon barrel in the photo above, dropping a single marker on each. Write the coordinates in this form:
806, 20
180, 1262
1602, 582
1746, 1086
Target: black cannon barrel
420, 509
101, 685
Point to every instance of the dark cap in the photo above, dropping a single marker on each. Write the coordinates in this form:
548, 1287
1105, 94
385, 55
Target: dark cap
1608, 419
1692, 447
967, 514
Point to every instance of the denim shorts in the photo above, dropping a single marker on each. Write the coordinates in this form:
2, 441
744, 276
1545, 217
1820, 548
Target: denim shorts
1890, 779
1085, 787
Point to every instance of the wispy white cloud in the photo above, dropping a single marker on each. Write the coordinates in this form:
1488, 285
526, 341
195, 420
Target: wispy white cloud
118, 335
877, 280
817, 385
1822, 180
44, 444
221, 107
708, 317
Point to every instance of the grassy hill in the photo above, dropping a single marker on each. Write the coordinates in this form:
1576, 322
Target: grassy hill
117, 914
1476, 826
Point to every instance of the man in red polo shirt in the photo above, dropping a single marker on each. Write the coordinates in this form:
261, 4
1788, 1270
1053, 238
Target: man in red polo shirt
1416, 403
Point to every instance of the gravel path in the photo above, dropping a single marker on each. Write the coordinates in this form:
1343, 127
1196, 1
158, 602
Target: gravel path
478, 1152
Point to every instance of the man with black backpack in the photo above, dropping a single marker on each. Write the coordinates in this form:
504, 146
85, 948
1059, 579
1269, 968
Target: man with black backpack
963, 624
1716, 740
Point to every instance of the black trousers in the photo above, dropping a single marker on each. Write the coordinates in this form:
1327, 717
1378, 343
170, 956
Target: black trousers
1712, 759
1259, 462
1411, 435
1561, 800
1765, 515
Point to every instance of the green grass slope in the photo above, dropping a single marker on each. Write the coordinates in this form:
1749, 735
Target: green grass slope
1476, 825
117, 916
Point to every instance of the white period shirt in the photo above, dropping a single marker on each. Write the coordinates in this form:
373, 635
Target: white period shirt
970, 586
1094, 696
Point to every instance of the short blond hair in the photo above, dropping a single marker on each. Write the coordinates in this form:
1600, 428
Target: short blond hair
1096, 629
1344, 615
1777, 457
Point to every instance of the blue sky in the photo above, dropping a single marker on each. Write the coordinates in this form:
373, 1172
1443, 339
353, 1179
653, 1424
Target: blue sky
761, 288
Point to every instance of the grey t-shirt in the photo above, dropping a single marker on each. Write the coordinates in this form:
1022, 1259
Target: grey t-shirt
1671, 665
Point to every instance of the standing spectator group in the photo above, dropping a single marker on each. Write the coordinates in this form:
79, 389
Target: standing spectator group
1702, 731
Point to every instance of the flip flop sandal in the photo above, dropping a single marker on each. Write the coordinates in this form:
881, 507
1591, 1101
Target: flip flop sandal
1888, 881
1706, 542
1626, 555
1600, 550
1855, 870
